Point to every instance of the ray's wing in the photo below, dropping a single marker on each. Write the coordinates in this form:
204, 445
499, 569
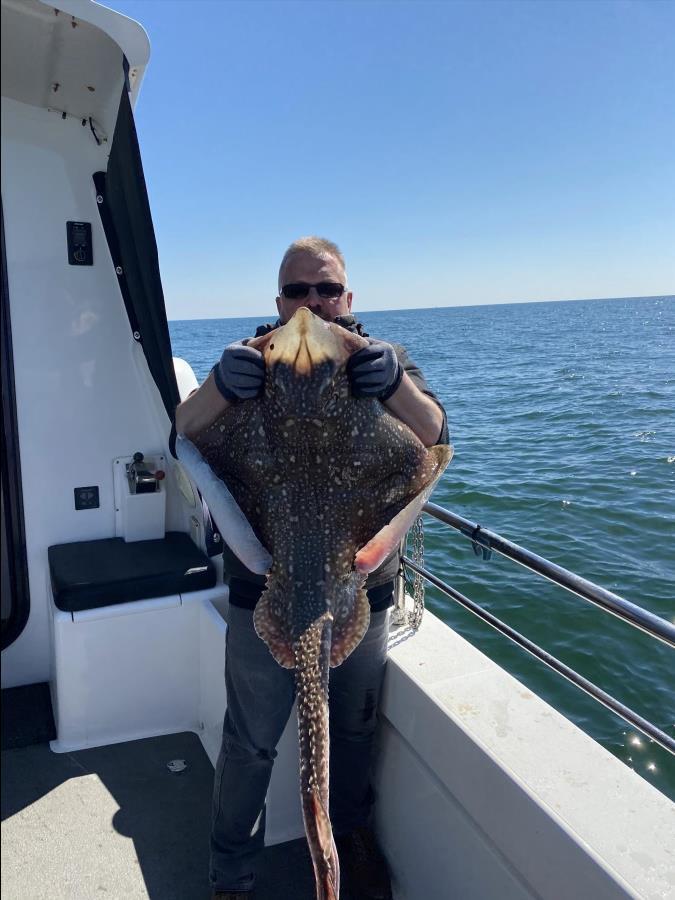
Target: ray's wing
397, 497
233, 524
379, 547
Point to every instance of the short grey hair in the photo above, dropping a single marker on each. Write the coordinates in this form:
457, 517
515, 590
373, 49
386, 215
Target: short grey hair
317, 246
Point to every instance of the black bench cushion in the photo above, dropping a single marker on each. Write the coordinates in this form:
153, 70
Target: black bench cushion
88, 574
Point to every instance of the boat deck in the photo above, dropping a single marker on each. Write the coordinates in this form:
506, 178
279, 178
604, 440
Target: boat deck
115, 822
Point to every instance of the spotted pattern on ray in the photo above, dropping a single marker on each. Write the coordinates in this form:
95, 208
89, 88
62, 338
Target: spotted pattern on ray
318, 474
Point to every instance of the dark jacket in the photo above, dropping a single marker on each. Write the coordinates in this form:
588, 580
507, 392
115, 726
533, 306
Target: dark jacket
247, 586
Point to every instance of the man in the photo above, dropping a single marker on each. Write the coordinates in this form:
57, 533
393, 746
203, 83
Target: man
260, 692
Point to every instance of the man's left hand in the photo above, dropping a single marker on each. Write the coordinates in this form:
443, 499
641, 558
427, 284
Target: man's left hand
374, 371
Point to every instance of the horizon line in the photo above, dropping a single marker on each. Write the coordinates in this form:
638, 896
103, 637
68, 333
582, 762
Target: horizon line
451, 306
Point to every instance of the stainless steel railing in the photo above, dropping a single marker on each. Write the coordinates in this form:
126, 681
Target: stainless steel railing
484, 542
489, 540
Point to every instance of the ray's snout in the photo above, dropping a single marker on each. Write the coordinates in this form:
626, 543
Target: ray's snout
306, 342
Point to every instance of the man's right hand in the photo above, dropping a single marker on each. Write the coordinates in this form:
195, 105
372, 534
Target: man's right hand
240, 374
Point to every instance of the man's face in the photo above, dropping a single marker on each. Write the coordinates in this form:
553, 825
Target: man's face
307, 268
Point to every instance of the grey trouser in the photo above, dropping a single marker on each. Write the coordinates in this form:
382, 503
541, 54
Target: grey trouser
260, 696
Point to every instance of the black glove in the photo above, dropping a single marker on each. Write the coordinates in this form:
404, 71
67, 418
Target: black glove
374, 371
240, 374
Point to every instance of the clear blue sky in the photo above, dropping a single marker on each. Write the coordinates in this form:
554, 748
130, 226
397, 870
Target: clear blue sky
458, 152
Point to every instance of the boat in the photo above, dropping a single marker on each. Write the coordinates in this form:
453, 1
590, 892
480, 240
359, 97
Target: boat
114, 606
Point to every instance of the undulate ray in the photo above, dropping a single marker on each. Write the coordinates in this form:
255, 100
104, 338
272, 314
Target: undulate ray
320, 487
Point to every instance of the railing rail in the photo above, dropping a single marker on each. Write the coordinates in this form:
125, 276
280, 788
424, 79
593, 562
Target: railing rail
610, 602
485, 541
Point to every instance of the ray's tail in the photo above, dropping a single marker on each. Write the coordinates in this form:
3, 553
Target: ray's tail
312, 657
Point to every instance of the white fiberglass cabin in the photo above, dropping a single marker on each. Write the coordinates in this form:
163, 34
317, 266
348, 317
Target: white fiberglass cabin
113, 605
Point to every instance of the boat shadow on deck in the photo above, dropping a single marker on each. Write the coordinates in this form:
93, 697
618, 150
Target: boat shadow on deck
115, 821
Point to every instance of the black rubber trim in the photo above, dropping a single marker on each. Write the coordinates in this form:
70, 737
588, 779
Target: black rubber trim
125, 210
115, 253
10, 465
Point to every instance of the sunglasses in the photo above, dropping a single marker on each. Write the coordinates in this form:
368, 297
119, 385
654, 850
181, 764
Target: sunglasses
327, 290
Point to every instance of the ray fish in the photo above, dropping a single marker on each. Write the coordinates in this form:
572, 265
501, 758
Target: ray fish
314, 488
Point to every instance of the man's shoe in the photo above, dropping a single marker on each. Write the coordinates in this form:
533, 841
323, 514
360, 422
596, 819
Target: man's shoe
363, 866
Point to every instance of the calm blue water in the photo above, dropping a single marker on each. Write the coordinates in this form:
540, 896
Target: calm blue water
562, 416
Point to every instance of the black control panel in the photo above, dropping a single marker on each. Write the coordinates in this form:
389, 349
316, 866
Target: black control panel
80, 251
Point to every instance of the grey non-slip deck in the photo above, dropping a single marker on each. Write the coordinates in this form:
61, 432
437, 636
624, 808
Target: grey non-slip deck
115, 823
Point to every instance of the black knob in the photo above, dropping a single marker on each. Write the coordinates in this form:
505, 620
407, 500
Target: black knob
138, 457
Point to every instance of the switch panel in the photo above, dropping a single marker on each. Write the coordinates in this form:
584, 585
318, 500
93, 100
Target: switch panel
80, 251
86, 497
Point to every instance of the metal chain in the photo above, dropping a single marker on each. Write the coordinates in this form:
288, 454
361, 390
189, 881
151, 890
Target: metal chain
416, 535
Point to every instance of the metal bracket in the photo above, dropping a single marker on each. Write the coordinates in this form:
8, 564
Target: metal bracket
480, 544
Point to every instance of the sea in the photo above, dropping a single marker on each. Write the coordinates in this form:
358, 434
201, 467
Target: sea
562, 417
